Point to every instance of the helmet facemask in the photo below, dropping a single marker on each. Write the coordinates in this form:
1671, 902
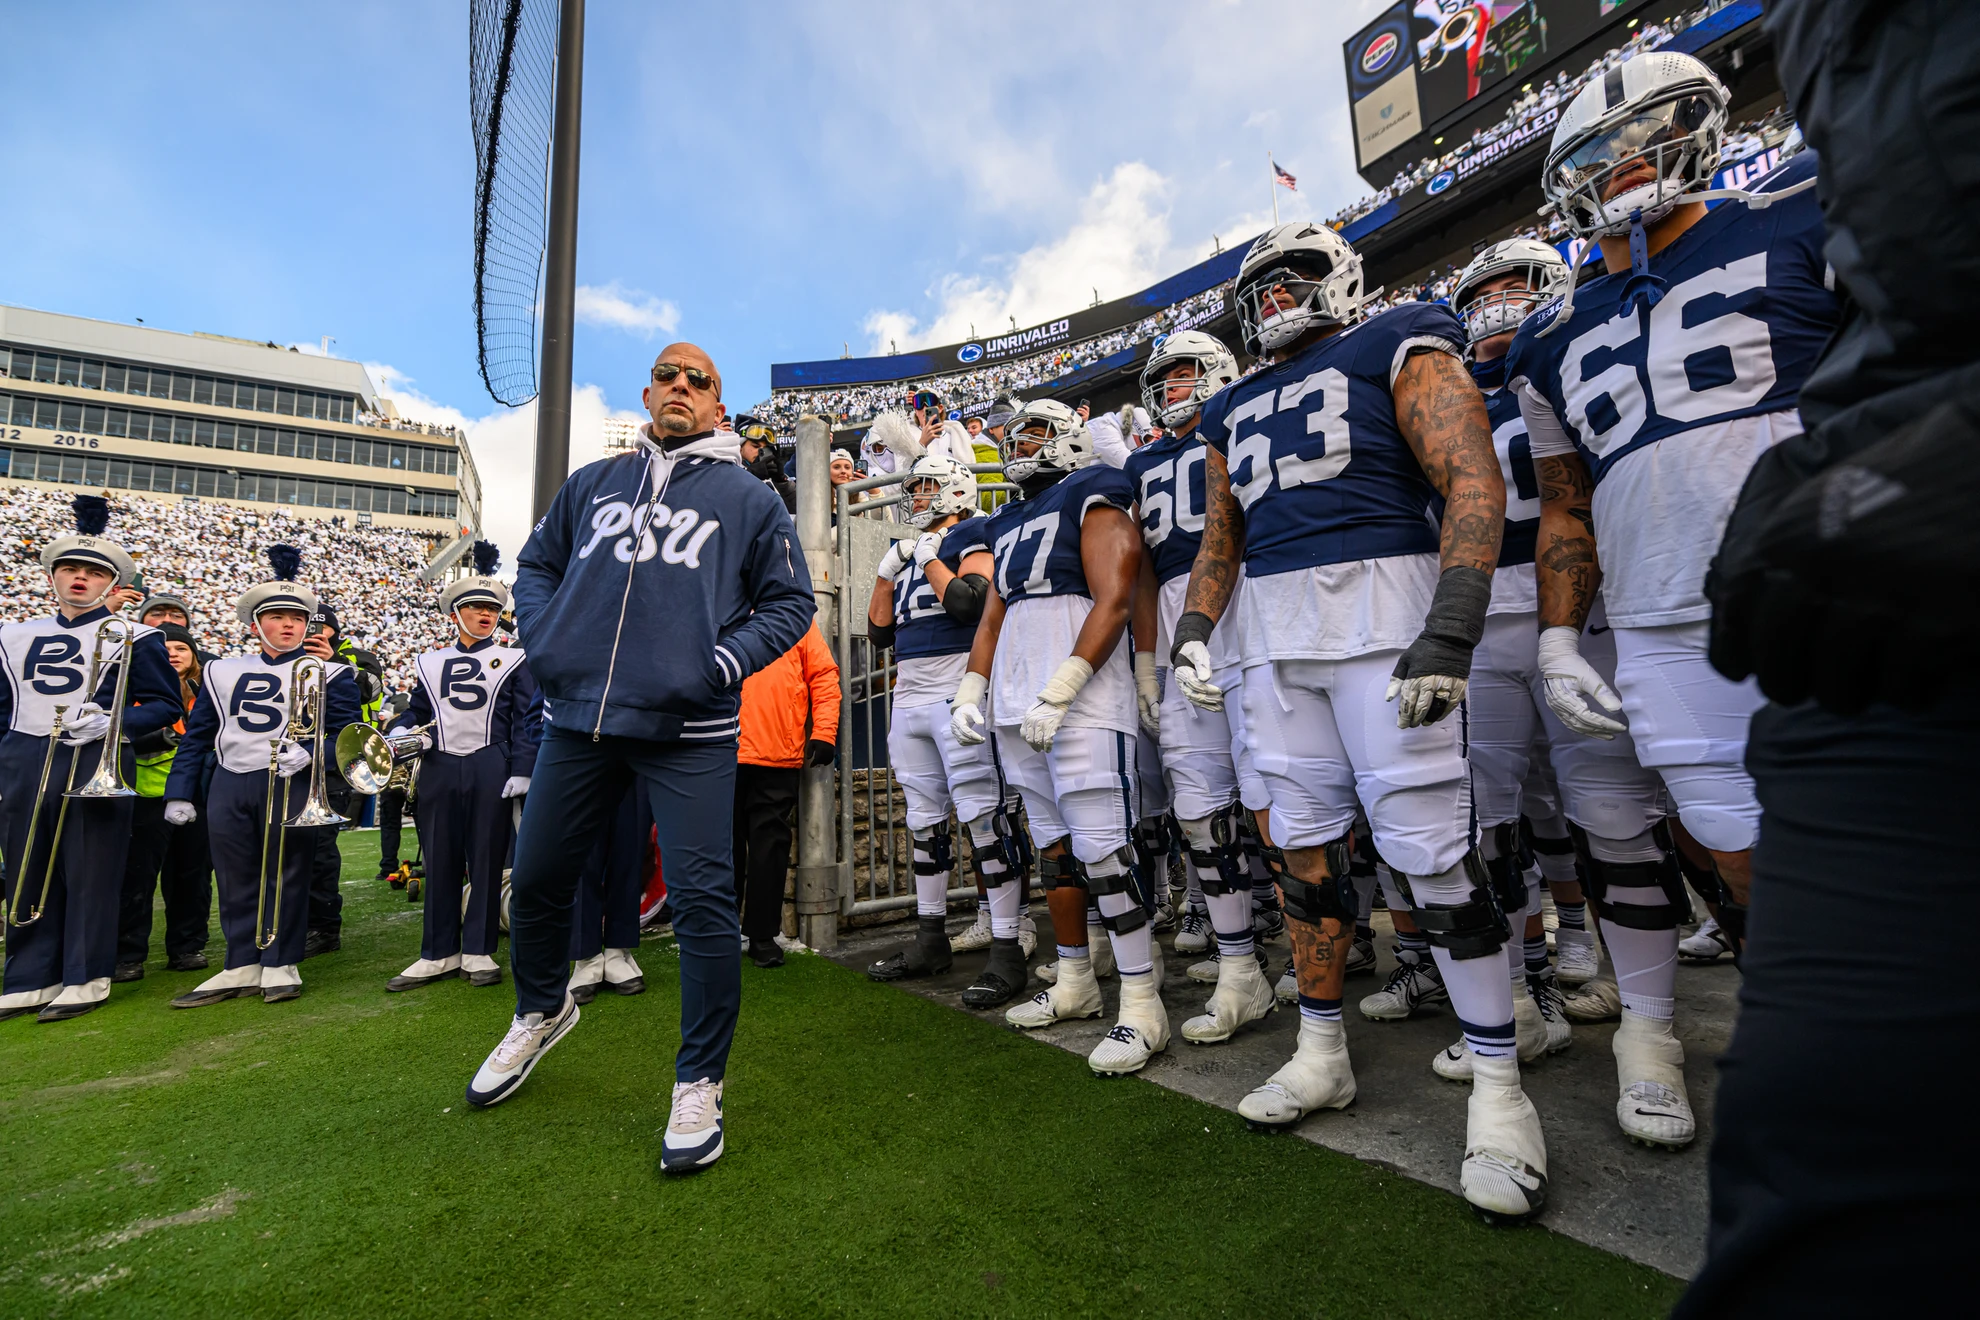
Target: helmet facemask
1282, 304
1673, 144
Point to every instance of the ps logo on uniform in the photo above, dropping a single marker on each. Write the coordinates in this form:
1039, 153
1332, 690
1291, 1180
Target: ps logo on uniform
249, 704
50, 665
458, 687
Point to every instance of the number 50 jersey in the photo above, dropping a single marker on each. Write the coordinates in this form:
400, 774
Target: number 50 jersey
1340, 541
1671, 405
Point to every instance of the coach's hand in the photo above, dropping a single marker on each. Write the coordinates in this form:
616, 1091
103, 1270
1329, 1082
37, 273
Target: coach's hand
180, 813
1574, 689
966, 710
818, 752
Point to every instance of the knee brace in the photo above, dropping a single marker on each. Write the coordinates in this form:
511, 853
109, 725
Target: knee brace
1120, 881
1475, 928
1508, 880
1331, 899
1061, 872
1601, 876
1732, 914
935, 842
1012, 835
1541, 845
1214, 853
1362, 863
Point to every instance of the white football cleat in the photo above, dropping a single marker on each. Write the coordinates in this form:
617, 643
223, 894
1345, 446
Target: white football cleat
1579, 956
1595, 1001
1505, 1154
1414, 983
1193, 936
1027, 936
1546, 992
1453, 1062
1141, 1032
1074, 994
1243, 995
1205, 971
1706, 944
976, 935
1653, 1108
1318, 1076
1361, 956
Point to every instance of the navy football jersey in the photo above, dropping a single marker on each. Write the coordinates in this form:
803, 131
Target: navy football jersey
1515, 463
1168, 482
1315, 457
1036, 541
1745, 312
921, 626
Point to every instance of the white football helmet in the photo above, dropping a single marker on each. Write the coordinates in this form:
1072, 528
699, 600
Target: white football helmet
1310, 263
1064, 444
948, 486
1546, 276
1215, 368
1660, 116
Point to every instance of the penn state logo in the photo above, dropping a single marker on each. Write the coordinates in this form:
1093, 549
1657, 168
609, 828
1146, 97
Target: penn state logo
1379, 52
1441, 182
969, 353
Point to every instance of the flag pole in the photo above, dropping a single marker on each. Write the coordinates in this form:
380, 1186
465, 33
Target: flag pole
1272, 181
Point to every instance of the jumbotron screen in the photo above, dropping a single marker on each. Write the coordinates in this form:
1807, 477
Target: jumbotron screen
1423, 59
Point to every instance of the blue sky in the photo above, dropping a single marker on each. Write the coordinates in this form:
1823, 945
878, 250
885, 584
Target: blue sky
771, 181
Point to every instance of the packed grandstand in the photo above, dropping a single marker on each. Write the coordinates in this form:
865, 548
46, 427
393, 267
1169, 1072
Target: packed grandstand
210, 553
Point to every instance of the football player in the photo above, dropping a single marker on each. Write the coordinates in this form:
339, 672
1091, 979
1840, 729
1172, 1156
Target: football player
926, 603
1356, 627
1067, 556
1648, 393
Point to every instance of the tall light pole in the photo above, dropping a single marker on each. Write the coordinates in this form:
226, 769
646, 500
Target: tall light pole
553, 399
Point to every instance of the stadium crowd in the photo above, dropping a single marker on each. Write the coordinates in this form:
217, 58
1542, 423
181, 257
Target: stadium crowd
210, 553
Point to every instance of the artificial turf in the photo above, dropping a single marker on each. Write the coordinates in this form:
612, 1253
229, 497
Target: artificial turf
886, 1156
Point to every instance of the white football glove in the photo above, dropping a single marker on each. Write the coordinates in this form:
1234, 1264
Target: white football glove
85, 724
291, 758
1426, 698
1190, 667
1041, 722
966, 710
897, 557
1574, 689
180, 813
926, 547
515, 786
1148, 691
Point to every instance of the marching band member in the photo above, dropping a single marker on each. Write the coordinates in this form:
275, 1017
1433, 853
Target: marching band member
477, 707
60, 962
605, 912
244, 712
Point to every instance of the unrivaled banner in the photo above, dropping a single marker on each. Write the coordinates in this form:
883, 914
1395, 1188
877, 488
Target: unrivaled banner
1021, 343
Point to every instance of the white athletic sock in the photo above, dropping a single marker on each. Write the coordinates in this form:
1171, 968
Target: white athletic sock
1005, 911
1645, 960
1133, 951
931, 892
1480, 988
1230, 917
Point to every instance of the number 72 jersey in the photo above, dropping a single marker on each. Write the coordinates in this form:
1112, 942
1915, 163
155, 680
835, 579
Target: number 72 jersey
1314, 453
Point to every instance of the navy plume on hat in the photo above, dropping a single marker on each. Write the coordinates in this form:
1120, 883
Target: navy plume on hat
283, 593
92, 514
487, 558
286, 561
88, 544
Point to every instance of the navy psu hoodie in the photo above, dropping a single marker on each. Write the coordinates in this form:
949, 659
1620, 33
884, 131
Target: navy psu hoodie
657, 582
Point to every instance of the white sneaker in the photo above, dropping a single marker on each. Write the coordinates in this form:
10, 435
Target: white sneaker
1578, 955
1193, 936
1505, 1154
1453, 1062
1286, 991
529, 1038
1027, 936
694, 1128
1243, 995
1075, 993
1414, 983
1139, 1034
1318, 1076
1595, 1001
1653, 1108
976, 935
1706, 944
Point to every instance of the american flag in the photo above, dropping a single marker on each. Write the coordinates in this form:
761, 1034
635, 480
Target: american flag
1283, 179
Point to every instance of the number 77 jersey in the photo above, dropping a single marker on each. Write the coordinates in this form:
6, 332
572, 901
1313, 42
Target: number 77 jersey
1671, 404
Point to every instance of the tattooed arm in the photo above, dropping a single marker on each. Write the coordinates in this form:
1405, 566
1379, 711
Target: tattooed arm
1566, 567
1442, 416
1213, 577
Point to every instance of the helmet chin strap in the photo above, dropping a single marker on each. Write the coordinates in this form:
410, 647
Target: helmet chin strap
1641, 286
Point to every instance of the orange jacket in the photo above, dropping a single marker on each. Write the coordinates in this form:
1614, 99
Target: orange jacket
798, 688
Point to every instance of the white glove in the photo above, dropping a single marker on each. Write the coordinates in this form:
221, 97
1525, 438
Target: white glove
515, 786
966, 710
291, 758
926, 547
85, 724
1191, 668
180, 813
1147, 691
895, 560
1572, 682
1041, 722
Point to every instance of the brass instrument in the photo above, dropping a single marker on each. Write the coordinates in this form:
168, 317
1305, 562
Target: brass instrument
372, 761
107, 782
307, 716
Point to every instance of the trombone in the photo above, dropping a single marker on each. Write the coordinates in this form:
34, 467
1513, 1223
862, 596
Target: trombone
307, 716
107, 782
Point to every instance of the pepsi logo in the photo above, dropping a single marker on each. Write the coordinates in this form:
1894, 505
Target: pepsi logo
1379, 52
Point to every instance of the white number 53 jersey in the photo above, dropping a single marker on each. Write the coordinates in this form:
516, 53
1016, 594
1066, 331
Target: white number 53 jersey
1670, 405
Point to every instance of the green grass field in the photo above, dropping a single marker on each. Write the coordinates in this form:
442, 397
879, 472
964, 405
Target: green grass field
887, 1156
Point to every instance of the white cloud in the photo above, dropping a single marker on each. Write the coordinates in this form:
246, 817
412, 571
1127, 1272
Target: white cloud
626, 309
504, 447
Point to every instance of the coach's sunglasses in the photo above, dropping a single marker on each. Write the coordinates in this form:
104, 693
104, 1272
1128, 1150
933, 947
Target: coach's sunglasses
664, 373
